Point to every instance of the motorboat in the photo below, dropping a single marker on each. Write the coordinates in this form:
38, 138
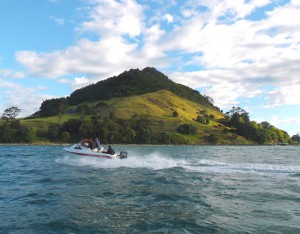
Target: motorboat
83, 150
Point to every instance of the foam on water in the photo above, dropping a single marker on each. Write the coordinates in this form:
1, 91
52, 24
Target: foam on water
153, 161
158, 161
224, 167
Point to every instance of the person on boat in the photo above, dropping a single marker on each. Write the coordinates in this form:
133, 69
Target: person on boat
110, 150
91, 144
98, 145
85, 143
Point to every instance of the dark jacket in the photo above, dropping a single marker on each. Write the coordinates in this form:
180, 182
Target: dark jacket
110, 150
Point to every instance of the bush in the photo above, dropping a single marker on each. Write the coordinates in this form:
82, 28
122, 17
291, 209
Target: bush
65, 137
170, 138
212, 138
202, 120
187, 129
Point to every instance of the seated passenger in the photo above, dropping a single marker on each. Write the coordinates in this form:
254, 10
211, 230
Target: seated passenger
98, 145
91, 144
110, 150
85, 143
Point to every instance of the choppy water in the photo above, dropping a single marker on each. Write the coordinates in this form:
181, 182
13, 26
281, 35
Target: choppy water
206, 189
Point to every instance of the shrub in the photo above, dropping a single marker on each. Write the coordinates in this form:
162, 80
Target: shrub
65, 137
187, 129
212, 138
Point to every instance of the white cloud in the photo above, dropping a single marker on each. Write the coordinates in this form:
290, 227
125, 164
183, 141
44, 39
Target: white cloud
169, 18
286, 95
114, 17
218, 84
80, 80
236, 57
59, 21
64, 81
28, 99
228, 9
8, 73
87, 57
289, 123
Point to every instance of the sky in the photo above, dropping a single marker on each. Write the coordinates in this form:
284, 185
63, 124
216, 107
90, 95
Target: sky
242, 53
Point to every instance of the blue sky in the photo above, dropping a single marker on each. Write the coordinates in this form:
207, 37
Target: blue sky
239, 52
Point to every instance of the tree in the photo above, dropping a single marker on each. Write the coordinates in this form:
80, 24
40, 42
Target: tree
72, 127
52, 107
11, 113
212, 117
6, 134
296, 137
86, 129
61, 108
83, 110
237, 115
144, 135
187, 129
265, 124
25, 134
65, 137
53, 132
212, 138
202, 120
209, 99
170, 138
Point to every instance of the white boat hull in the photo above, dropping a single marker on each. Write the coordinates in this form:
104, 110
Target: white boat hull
83, 151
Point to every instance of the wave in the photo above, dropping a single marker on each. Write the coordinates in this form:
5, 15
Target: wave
153, 161
157, 161
224, 167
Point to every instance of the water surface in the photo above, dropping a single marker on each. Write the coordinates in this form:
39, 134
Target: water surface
158, 189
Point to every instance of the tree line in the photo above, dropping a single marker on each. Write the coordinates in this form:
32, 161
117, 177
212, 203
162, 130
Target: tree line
11, 130
112, 130
109, 129
239, 122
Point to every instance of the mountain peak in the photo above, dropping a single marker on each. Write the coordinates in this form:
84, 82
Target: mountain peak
134, 82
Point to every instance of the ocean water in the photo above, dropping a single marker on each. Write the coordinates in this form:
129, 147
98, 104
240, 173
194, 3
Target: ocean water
158, 189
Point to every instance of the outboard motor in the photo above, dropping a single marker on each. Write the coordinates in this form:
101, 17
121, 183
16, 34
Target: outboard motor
122, 155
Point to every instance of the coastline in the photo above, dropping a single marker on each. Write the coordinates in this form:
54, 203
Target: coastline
31, 144
66, 144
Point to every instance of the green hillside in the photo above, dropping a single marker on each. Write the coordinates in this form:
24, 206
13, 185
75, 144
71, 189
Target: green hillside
157, 108
134, 82
139, 107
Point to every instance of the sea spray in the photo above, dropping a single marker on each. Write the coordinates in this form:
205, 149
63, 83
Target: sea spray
214, 166
154, 161
159, 161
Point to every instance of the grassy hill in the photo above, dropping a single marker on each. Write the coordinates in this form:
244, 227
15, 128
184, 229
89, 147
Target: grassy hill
140, 106
134, 82
158, 108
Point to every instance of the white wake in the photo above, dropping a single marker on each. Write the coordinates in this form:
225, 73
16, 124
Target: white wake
153, 161
212, 166
157, 161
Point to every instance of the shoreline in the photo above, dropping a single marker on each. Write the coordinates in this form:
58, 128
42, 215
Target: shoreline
66, 144
32, 144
